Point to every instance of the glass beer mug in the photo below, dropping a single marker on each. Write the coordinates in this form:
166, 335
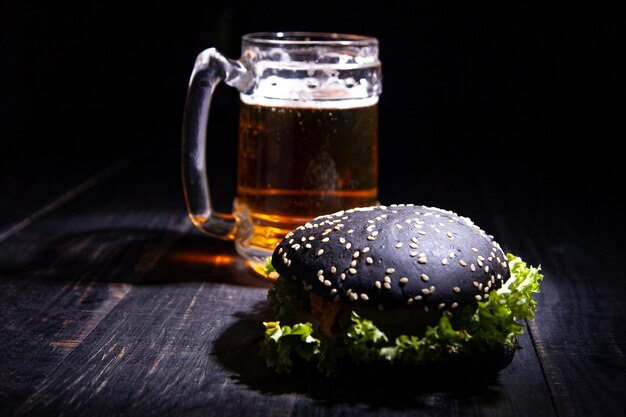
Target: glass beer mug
308, 134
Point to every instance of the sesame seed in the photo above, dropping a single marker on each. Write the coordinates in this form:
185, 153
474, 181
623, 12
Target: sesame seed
409, 301
490, 258
462, 262
311, 237
425, 291
456, 289
399, 226
387, 285
479, 262
404, 280
449, 234
352, 271
353, 263
342, 276
320, 252
350, 231
377, 284
321, 278
481, 258
387, 279
437, 230
320, 272
289, 262
338, 227
454, 305
475, 284
371, 238
444, 261
480, 286
308, 246
354, 296
472, 267
308, 225
369, 260
432, 289
327, 283
422, 254
413, 254
486, 269
333, 269
364, 297
280, 250
478, 297
375, 233
370, 228
327, 231
441, 306
348, 245
399, 245
414, 239
371, 221
356, 254
290, 241
390, 270
326, 239
366, 249
486, 296
342, 240
421, 232
413, 245
417, 297
474, 250
424, 277
421, 260
451, 255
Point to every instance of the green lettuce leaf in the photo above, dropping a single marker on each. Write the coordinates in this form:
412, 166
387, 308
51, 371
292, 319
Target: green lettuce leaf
269, 268
288, 299
491, 323
284, 343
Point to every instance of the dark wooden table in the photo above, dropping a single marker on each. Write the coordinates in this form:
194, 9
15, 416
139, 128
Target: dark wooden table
112, 304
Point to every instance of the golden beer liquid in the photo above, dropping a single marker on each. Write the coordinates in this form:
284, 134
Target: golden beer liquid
296, 163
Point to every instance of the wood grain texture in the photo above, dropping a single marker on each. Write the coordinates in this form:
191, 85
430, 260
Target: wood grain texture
580, 330
64, 272
113, 305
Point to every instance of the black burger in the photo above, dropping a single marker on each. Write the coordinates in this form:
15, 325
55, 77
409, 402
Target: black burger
404, 285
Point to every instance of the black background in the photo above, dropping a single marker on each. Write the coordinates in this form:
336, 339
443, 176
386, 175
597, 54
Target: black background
519, 100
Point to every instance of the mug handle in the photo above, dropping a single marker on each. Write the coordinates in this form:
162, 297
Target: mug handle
210, 68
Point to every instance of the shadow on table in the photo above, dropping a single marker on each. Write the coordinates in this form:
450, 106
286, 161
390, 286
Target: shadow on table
131, 255
238, 350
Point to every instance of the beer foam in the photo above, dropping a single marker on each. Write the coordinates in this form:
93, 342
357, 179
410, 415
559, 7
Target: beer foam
297, 84
339, 103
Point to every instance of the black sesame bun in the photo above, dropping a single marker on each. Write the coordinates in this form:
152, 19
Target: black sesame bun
396, 287
404, 256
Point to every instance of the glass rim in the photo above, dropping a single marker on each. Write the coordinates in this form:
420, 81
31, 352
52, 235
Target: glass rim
309, 39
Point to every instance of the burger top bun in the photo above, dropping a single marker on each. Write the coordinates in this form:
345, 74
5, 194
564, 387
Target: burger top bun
398, 256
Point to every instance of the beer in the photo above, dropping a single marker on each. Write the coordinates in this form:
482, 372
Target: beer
298, 162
